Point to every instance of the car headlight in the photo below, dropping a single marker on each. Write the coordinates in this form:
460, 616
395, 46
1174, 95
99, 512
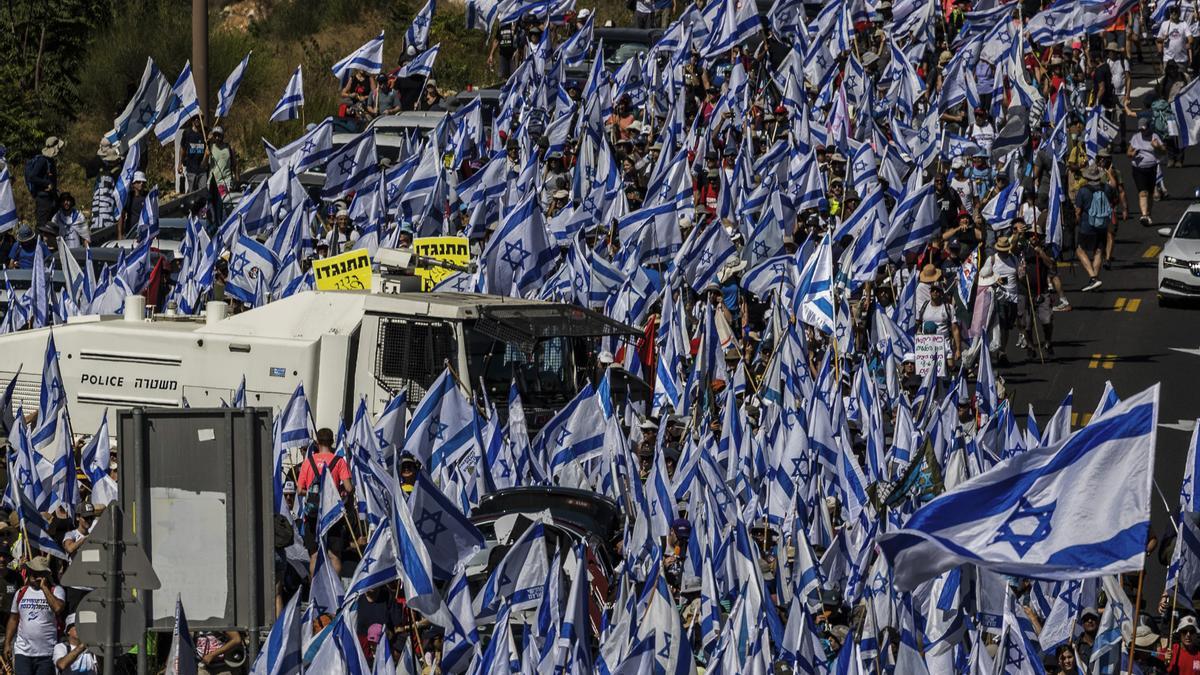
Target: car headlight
1171, 261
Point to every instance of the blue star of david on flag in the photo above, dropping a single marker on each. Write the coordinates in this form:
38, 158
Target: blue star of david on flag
430, 524
515, 254
1023, 537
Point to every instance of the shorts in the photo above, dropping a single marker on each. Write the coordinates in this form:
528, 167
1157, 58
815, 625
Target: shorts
1144, 177
1089, 240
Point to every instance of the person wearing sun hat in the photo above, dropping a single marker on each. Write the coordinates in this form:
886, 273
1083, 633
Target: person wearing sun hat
41, 177
32, 629
1094, 212
21, 255
1007, 293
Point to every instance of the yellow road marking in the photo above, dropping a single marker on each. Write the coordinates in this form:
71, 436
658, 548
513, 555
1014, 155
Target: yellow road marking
1080, 419
1127, 305
1105, 361
1152, 252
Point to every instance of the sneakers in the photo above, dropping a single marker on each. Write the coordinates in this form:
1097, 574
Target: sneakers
1145, 221
1021, 342
1062, 306
1093, 284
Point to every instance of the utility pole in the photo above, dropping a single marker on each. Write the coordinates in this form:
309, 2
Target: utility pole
200, 53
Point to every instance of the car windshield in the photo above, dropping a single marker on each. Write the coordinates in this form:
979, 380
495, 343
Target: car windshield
544, 377
617, 54
1189, 227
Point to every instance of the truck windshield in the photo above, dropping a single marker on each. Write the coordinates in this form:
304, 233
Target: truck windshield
544, 377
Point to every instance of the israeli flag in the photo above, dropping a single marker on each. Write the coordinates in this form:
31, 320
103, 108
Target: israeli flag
378, 564
417, 36
8, 205
1187, 114
306, 152
292, 100
143, 109
518, 581
125, 179
422, 64
569, 436
281, 654
449, 535
184, 105
181, 656
332, 508
229, 89
367, 58
94, 456
1034, 514
249, 262
412, 561
352, 167
442, 428
814, 292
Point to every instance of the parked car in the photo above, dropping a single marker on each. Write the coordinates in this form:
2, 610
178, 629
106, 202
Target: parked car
1179, 262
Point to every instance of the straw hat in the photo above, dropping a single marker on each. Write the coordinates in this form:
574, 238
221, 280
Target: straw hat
930, 275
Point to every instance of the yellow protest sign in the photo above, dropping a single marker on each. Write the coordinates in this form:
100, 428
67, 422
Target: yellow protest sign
456, 250
349, 271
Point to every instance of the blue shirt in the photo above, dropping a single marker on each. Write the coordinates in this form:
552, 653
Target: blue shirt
24, 256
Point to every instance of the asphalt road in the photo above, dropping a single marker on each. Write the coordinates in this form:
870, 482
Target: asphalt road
1120, 334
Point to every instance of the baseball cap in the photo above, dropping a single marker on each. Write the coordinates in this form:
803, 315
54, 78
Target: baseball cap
289, 488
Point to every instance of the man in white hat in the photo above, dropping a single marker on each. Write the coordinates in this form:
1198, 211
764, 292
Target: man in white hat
32, 629
41, 177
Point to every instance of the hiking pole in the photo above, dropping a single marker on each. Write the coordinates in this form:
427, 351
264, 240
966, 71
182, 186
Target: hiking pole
1033, 320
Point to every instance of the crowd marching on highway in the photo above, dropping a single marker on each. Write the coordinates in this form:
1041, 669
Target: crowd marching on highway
834, 226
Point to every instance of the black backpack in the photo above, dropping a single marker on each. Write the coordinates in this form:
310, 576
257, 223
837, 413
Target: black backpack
312, 497
33, 169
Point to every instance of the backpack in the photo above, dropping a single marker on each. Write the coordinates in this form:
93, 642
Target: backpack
33, 170
1099, 213
1160, 112
921, 329
312, 497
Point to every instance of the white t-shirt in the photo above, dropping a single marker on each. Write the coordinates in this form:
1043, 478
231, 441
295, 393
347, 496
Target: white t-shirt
936, 319
37, 632
86, 663
1174, 35
1120, 71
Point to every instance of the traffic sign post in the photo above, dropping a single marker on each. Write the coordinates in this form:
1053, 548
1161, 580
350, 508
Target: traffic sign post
111, 618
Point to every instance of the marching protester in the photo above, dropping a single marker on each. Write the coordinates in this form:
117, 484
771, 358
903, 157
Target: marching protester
32, 630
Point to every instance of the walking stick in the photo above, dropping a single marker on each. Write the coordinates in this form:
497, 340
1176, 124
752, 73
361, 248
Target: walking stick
1033, 320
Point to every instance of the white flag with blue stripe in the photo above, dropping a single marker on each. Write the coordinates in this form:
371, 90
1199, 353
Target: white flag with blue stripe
417, 36
133, 160
281, 653
412, 560
449, 535
1036, 514
442, 427
422, 64
292, 100
367, 58
8, 205
183, 106
250, 263
143, 110
229, 89
352, 167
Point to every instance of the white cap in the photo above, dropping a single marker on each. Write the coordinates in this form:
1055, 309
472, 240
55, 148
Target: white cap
585, 13
909, 356
1188, 621
605, 357
139, 177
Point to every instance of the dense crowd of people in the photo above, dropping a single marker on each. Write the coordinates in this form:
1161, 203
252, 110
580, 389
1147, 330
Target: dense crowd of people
834, 227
